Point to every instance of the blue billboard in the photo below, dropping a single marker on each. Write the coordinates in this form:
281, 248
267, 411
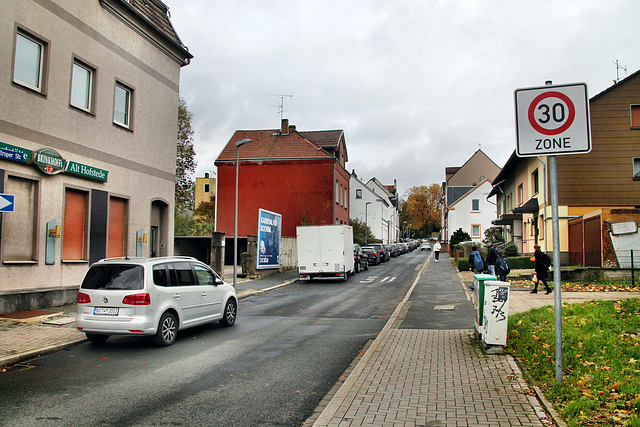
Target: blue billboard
269, 234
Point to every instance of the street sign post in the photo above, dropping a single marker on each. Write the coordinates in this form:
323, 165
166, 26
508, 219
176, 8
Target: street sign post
6, 202
553, 120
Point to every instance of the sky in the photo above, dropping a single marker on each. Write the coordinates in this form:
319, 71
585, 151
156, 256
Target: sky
416, 85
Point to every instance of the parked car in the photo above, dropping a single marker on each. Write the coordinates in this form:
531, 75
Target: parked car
393, 251
360, 258
372, 255
384, 253
425, 245
154, 296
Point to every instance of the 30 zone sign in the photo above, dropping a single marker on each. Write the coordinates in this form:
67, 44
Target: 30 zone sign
552, 120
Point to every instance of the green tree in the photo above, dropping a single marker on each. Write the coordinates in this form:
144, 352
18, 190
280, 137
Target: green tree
359, 231
459, 236
185, 160
494, 235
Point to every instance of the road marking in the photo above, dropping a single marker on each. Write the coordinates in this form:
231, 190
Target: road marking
388, 279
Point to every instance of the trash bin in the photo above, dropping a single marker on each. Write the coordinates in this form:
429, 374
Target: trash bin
243, 262
478, 297
496, 312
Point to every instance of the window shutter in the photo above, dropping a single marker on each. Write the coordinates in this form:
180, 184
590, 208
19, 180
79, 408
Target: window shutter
74, 225
115, 242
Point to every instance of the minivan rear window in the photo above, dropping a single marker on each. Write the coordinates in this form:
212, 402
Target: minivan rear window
117, 277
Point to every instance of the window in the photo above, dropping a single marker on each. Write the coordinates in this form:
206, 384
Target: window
28, 65
74, 225
206, 188
635, 117
337, 193
358, 194
475, 231
19, 231
534, 182
475, 205
636, 168
520, 194
205, 277
82, 78
122, 106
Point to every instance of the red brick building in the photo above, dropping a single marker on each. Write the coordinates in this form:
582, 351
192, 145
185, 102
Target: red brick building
300, 175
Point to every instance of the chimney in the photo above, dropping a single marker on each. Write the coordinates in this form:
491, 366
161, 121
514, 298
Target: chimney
284, 128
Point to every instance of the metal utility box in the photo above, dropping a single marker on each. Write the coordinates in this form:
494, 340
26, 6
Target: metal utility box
478, 297
496, 312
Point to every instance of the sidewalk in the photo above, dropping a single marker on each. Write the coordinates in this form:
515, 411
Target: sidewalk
38, 332
415, 374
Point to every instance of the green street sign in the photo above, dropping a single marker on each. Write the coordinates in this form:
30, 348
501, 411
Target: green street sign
86, 171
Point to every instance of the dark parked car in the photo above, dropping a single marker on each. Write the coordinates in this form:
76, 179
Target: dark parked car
372, 255
384, 253
393, 252
360, 258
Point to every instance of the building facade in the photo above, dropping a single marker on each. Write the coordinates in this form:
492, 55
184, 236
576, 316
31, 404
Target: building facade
376, 205
286, 172
463, 206
88, 128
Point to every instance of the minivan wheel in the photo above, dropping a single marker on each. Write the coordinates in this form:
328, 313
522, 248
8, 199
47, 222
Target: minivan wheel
167, 330
97, 338
230, 313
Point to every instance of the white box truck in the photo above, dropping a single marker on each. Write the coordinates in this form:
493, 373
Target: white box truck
325, 251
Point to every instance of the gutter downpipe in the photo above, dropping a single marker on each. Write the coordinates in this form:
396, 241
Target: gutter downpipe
544, 222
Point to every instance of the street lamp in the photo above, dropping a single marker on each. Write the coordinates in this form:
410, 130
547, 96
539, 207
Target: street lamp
366, 222
235, 218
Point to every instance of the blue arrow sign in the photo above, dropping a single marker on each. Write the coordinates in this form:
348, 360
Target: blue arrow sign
6, 202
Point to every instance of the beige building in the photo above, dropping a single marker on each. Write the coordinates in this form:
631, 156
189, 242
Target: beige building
88, 125
205, 190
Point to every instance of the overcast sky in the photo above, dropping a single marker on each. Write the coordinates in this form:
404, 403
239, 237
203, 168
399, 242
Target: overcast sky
416, 85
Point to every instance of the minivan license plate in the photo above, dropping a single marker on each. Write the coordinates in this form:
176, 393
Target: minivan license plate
106, 311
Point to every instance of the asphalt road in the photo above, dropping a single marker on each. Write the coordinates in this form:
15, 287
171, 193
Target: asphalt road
288, 348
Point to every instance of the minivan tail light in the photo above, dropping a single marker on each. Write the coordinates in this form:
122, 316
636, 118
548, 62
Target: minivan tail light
137, 299
83, 298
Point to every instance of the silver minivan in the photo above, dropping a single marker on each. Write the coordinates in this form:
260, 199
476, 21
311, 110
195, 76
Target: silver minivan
152, 296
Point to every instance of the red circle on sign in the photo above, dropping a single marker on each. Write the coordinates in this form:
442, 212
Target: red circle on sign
567, 123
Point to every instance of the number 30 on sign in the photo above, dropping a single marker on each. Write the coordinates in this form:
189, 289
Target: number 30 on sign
552, 120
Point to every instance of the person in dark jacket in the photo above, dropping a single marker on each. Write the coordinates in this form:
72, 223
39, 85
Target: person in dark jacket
542, 266
502, 267
492, 257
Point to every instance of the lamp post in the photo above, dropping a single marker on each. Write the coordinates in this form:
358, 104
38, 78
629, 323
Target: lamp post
235, 218
366, 222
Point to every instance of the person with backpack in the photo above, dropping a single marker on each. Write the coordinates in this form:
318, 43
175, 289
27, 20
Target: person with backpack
436, 250
492, 257
543, 262
476, 260
502, 267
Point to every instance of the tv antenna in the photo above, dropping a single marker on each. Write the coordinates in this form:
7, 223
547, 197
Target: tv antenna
280, 106
618, 68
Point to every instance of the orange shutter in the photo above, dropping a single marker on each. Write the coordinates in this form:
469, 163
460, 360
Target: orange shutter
74, 225
115, 242
635, 116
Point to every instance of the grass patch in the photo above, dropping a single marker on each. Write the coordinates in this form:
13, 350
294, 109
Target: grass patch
601, 357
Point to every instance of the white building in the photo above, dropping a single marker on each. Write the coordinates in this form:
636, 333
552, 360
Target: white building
473, 212
376, 205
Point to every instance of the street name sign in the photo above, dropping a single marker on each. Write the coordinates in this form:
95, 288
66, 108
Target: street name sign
6, 202
552, 120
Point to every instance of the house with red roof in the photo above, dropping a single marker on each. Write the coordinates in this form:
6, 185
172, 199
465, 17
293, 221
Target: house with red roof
299, 175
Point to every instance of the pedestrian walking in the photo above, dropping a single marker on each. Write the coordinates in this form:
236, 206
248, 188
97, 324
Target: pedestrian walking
476, 260
436, 250
502, 267
492, 257
543, 262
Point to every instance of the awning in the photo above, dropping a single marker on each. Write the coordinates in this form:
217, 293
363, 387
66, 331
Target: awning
530, 207
507, 219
